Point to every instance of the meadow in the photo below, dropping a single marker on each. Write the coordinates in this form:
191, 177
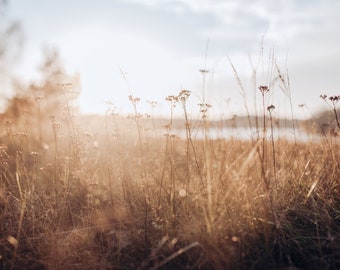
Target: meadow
109, 192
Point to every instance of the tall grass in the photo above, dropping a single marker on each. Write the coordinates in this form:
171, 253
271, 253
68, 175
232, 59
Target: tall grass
103, 194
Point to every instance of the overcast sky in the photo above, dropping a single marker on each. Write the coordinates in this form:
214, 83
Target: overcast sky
161, 45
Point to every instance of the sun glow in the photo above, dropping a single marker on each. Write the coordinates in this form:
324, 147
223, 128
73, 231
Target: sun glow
114, 64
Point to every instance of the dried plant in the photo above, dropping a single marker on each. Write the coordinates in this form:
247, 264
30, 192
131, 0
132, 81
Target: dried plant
124, 200
332, 103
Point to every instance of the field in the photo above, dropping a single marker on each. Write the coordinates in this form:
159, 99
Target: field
116, 192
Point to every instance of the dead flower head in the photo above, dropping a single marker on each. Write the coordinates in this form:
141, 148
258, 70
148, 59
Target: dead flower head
334, 99
263, 89
270, 108
184, 95
133, 99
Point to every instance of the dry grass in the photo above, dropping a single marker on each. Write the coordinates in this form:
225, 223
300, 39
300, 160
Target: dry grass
104, 194
101, 196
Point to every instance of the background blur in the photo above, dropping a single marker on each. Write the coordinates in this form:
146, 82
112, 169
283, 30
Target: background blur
152, 49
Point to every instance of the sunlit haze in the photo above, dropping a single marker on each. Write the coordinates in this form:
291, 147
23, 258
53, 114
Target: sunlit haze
156, 48
169, 134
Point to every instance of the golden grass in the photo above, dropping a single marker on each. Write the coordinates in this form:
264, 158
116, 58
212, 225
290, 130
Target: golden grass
104, 195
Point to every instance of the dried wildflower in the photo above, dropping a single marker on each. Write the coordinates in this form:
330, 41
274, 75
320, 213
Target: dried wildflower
204, 105
264, 89
334, 99
270, 108
184, 95
134, 100
204, 109
172, 100
203, 70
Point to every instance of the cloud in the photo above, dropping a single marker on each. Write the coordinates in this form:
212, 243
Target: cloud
165, 40
280, 18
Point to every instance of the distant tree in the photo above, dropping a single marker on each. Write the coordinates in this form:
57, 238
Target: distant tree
11, 42
55, 89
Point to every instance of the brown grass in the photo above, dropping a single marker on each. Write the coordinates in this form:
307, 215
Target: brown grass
105, 195
111, 193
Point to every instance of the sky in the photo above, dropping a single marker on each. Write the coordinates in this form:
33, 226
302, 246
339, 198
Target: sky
154, 48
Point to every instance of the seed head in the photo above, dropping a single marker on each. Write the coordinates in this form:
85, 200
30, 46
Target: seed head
270, 108
204, 109
184, 95
334, 99
203, 71
134, 100
264, 89
171, 98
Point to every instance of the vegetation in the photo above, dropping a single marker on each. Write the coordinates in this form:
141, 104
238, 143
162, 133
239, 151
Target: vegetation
108, 193
116, 192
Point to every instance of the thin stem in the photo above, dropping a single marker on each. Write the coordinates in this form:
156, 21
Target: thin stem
336, 117
273, 143
264, 141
